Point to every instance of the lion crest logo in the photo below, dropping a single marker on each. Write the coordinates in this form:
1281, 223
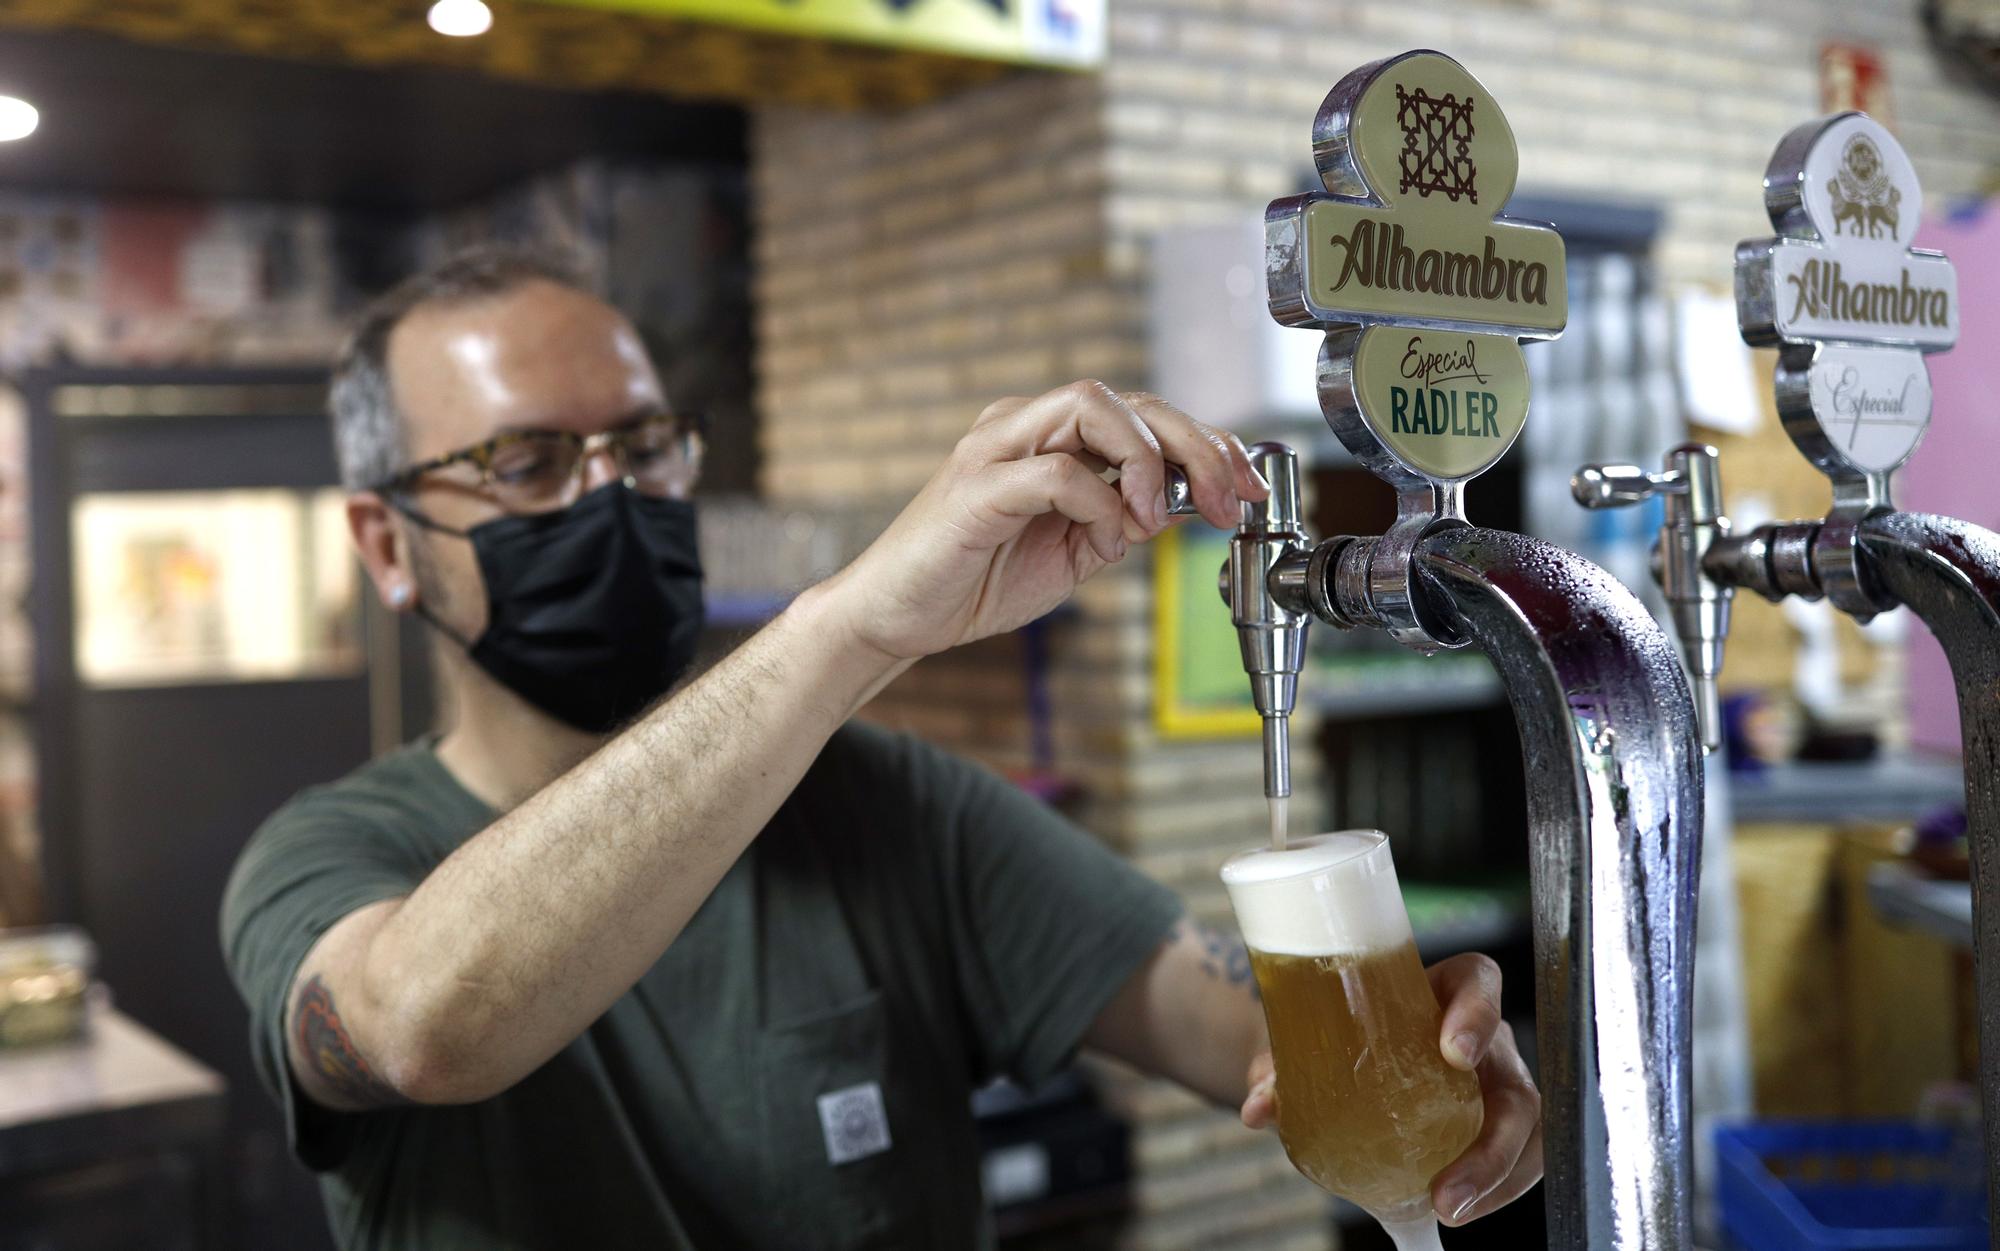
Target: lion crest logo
1861, 191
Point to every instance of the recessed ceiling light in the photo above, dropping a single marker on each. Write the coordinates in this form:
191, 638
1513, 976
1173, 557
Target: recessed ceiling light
18, 118
461, 19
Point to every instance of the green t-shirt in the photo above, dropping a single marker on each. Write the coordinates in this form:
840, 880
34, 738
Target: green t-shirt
792, 1074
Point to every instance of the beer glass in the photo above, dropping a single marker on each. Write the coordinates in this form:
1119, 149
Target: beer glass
1367, 1107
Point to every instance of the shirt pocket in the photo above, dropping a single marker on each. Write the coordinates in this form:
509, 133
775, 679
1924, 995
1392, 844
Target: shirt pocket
836, 1130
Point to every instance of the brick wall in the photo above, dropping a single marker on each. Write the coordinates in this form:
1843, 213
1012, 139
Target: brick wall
912, 267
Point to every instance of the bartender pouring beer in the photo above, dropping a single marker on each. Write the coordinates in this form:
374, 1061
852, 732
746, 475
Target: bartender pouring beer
611, 963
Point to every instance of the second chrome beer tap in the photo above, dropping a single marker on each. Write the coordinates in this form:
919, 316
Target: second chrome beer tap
1424, 295
1852, 308
1699, 605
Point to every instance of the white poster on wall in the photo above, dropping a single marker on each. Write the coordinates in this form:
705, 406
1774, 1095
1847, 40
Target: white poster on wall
1717, 377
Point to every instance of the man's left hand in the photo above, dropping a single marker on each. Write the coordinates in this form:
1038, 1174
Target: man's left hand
1505, 1160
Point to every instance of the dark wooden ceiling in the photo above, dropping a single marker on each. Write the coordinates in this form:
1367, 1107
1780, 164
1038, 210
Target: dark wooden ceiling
130, 118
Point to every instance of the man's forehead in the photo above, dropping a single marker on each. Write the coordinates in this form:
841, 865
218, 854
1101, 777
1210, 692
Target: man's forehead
540, 355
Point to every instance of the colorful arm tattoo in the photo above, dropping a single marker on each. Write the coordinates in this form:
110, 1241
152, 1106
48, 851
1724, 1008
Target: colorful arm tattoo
322, 1042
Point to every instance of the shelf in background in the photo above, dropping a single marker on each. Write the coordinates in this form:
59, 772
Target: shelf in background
1891, 788
1904, 896
1396, 685
1448, 918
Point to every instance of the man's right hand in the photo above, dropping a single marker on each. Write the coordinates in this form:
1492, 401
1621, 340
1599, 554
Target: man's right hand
1019, 515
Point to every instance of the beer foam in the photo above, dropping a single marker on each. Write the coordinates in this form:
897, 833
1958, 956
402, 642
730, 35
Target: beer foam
1334, 894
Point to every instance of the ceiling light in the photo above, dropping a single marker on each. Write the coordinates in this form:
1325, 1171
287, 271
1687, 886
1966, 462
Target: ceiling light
18, 118
461, 19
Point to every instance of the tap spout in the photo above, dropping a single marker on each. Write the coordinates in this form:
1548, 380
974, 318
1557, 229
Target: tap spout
1614, 812
1695, 533
1271, 634
1278, 756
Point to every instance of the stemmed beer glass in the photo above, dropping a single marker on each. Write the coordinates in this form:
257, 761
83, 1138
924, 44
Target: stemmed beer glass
1367, 1107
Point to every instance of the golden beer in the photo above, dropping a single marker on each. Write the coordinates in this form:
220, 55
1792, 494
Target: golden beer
1367, 1107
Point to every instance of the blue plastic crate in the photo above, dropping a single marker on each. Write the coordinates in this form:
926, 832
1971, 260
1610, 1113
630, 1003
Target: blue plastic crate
1850, 1186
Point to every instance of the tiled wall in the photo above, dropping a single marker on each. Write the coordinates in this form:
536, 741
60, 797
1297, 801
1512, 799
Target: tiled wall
910, 270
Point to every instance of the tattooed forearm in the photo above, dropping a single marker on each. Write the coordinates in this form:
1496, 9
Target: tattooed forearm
1223, 957
322, 1042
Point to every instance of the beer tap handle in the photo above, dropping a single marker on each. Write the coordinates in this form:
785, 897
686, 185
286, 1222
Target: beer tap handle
1615, 486
1692, 486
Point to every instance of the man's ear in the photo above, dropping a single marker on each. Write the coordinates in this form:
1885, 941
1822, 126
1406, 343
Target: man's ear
383, 549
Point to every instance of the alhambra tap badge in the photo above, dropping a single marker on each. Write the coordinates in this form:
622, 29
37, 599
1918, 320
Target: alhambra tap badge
1424, 288
1850, 304
1843, 268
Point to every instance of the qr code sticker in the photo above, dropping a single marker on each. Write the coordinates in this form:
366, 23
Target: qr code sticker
855, 1123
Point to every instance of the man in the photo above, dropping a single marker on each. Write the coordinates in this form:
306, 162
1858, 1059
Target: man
601, 969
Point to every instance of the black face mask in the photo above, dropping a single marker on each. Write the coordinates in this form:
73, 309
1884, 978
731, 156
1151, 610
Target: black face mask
592, 611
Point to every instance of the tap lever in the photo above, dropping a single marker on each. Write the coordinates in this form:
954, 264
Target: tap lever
1615, 486
1180, 493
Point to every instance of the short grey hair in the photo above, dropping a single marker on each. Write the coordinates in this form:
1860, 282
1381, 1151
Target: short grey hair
369, 441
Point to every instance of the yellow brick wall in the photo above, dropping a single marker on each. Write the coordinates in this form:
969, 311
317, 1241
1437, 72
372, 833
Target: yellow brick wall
914, 266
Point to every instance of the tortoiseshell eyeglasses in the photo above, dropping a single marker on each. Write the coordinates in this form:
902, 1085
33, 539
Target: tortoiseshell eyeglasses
538, 471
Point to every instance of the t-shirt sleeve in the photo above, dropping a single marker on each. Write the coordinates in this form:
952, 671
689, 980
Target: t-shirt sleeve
313, 862
1046, 924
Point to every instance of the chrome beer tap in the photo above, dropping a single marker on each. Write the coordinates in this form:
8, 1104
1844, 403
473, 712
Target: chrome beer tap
1424, 296
1270, 632
1852, 308
1692, 487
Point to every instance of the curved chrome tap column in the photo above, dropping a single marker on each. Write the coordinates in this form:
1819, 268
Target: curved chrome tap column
1944, 570
1614, 814
1948, 573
